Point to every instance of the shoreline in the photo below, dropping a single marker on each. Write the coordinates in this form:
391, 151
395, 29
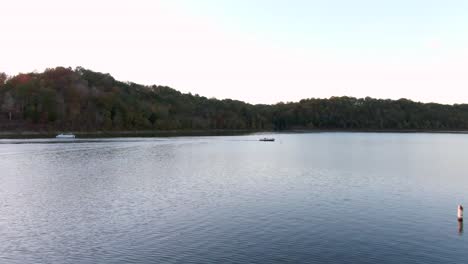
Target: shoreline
116, 134
181, 133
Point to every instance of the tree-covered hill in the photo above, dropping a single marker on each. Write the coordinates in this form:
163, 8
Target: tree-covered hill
61, 99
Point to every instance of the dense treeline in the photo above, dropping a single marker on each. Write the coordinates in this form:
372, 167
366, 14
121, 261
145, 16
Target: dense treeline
82, 100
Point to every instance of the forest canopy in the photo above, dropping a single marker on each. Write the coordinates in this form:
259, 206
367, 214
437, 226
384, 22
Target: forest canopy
66, 99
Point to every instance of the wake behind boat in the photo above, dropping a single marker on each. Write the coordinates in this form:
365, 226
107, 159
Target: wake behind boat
65, 136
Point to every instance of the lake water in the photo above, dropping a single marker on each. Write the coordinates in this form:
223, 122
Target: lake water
306, 198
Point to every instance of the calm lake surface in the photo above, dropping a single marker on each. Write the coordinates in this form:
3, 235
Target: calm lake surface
306, 198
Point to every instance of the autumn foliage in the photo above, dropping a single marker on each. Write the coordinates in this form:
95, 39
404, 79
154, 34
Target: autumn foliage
78, 99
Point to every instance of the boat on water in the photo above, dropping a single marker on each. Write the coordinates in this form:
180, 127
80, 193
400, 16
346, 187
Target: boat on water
65, 136
267, 139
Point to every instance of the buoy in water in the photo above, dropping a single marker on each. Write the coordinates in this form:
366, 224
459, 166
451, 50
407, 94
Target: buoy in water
460, 213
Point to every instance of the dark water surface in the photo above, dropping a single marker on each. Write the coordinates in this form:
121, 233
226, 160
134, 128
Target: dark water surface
306, 198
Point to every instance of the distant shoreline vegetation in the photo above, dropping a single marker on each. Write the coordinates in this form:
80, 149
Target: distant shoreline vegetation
80, 100
199, 133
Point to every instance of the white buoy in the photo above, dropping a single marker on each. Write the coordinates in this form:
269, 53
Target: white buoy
460, 213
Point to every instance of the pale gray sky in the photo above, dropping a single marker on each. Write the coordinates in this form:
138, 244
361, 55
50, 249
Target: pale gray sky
253, 50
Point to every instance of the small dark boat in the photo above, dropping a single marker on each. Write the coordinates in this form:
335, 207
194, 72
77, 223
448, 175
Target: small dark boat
267, 139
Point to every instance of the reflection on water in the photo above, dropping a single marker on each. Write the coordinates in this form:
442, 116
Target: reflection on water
460, 227
307, 198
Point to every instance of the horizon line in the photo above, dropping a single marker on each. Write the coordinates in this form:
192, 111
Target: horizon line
36, 71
